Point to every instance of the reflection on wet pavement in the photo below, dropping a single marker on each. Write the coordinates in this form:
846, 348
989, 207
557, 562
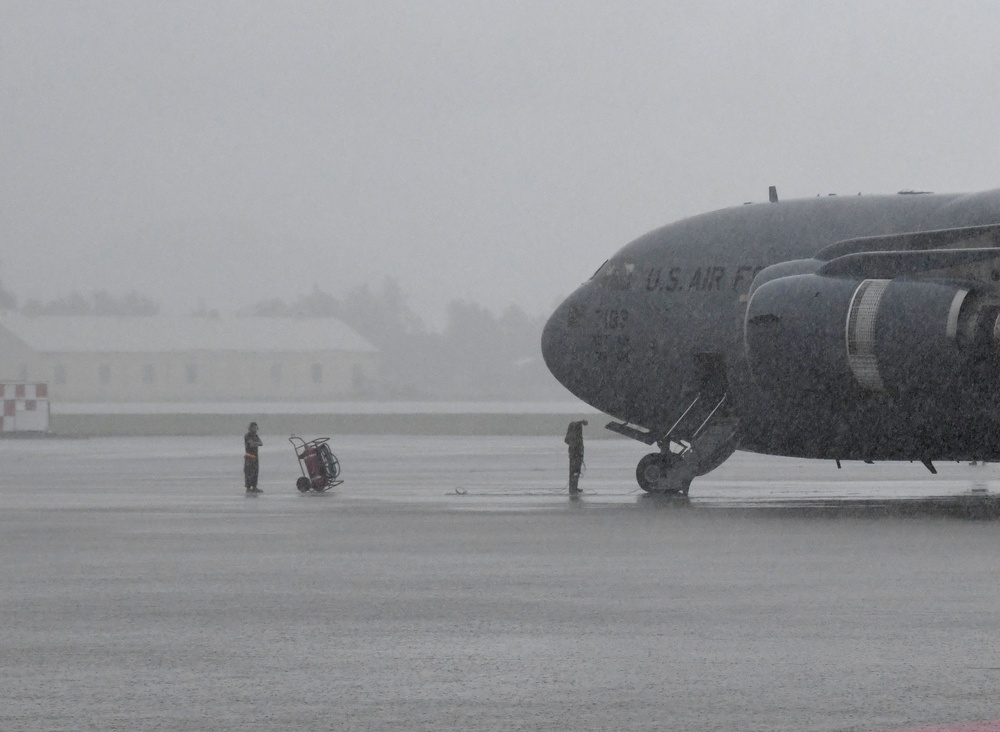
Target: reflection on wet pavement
451, 583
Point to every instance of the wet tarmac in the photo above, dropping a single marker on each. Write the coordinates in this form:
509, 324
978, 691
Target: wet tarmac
450, 583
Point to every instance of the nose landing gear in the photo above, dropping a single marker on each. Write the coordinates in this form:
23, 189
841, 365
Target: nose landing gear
664, 473
699, 440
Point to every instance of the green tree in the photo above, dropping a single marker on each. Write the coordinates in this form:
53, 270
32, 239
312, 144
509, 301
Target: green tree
100, 303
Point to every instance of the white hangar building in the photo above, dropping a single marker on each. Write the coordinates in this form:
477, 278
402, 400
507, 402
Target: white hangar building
186, 359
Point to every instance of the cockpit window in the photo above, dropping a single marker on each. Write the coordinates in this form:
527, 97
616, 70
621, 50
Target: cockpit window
600, 269
615, 274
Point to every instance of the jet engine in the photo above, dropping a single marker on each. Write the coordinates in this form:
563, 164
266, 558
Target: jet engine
812, 333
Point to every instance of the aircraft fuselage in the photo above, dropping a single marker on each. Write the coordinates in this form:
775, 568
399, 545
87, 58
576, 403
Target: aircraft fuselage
632, 341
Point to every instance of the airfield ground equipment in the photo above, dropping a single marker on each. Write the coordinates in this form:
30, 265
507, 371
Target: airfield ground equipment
320, 467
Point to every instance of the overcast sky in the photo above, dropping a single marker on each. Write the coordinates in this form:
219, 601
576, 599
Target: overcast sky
492, 151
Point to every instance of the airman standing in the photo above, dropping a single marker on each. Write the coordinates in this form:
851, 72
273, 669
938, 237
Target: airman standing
251, 464
574, 439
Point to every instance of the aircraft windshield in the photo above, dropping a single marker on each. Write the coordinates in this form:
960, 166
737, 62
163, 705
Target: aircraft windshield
615, 275
599, 269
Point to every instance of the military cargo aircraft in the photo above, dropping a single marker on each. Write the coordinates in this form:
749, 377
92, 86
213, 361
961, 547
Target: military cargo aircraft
841, 328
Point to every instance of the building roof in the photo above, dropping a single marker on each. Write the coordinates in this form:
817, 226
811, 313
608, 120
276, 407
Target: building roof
166, 334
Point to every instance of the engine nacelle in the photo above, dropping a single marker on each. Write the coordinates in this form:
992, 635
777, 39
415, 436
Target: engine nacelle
810, 333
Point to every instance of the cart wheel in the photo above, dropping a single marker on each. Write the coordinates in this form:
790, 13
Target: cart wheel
303, 484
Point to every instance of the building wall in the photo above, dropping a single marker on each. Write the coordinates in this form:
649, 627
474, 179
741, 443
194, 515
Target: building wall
17, 361
192, 376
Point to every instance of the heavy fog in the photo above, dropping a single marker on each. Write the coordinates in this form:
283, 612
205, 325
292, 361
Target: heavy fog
217, 154
440, 174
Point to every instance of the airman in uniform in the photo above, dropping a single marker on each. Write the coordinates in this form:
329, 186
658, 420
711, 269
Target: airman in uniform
251, 464
574, 439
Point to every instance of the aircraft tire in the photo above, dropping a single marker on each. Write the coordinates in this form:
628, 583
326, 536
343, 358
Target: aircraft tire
303, 484
660, 474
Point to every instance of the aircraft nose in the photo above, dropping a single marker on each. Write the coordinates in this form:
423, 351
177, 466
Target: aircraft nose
562, 343
587, 344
